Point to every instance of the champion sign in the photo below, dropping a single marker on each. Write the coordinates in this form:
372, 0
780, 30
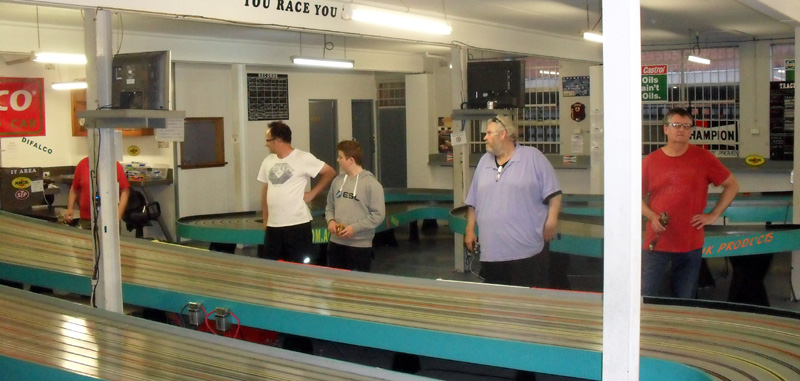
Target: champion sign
21, 107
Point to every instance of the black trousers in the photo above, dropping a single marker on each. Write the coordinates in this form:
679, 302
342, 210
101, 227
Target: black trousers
527, 272
349, 257
289, 243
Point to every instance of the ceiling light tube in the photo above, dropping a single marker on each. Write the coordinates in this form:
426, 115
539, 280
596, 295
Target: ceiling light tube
60, 58
394, 19
698, 59
74, 85
592, 36
323, 62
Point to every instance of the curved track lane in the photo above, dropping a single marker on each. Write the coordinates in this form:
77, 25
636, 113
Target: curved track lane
539, 330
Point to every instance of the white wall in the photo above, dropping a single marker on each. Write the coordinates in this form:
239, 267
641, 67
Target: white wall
205, 79
428, 98
204, 90
304, 85
569, 127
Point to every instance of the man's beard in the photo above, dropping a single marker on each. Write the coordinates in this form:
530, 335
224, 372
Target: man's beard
492, 150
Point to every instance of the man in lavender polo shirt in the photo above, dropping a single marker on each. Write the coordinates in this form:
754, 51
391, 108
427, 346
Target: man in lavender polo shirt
515, 199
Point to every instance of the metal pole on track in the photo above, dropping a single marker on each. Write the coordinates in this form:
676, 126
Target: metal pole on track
108, 293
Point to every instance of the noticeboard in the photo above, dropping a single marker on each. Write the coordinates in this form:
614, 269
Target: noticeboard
781, 120
267, 96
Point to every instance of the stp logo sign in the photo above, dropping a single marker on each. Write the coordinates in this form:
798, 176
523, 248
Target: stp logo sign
22, 194
21, 107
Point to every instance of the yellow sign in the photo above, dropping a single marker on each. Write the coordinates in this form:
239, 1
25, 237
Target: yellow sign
21, 182
755, 160
134, 150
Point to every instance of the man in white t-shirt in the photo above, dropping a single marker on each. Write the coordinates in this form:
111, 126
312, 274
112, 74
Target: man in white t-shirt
286, 174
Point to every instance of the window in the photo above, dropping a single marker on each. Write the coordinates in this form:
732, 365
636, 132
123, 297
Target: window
392, 94
780, 53
711, 92
538, 121
539, 124
203, 143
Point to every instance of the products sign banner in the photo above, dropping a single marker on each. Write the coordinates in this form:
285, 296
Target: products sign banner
21, 107
654, 83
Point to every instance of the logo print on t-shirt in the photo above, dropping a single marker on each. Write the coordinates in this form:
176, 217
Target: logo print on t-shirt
280, 173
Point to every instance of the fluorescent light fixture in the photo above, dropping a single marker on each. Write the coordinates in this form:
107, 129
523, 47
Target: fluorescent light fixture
548, 72
394, 19
592, 36
60, 58
323, 62
698, 59
74, 85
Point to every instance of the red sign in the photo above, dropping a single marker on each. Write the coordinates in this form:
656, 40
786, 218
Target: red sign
577, 111
21, 107
654, 69
22, 194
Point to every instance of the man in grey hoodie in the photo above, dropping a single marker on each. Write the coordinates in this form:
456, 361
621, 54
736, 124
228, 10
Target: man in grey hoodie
354, 209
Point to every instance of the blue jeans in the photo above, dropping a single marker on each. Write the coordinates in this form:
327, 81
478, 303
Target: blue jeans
685, 271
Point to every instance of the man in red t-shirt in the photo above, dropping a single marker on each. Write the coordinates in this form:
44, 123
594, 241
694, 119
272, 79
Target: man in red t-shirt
80, 191
675, 180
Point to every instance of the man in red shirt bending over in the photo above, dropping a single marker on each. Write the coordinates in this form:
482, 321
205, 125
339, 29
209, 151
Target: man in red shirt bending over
80, 191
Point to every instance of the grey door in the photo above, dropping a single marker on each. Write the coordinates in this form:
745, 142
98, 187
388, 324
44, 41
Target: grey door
392, 164
322, 128
364, 131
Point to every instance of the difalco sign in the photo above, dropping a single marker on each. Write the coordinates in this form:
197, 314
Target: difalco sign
21, 107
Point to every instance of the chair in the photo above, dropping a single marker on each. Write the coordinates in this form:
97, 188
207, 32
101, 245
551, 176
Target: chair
139, 213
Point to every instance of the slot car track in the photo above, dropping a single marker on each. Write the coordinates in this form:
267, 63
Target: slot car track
47, 338
555, 332
402, 206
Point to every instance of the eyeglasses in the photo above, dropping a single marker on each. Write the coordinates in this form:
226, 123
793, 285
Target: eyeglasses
499, 172
495, 120
686, 126
269, 140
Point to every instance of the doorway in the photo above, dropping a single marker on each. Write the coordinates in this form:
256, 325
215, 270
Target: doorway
322, 125
322, 122
364, 131
392, 162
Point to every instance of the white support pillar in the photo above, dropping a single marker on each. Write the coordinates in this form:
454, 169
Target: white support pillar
795, 272
239, 112
109, 288
622, 189
458, 79
596, 129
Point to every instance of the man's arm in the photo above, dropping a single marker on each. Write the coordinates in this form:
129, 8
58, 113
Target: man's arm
653, 217
553, 209
376, 210
264, 207
730, 189
469, 235
326, 175
124, 194
69, 215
